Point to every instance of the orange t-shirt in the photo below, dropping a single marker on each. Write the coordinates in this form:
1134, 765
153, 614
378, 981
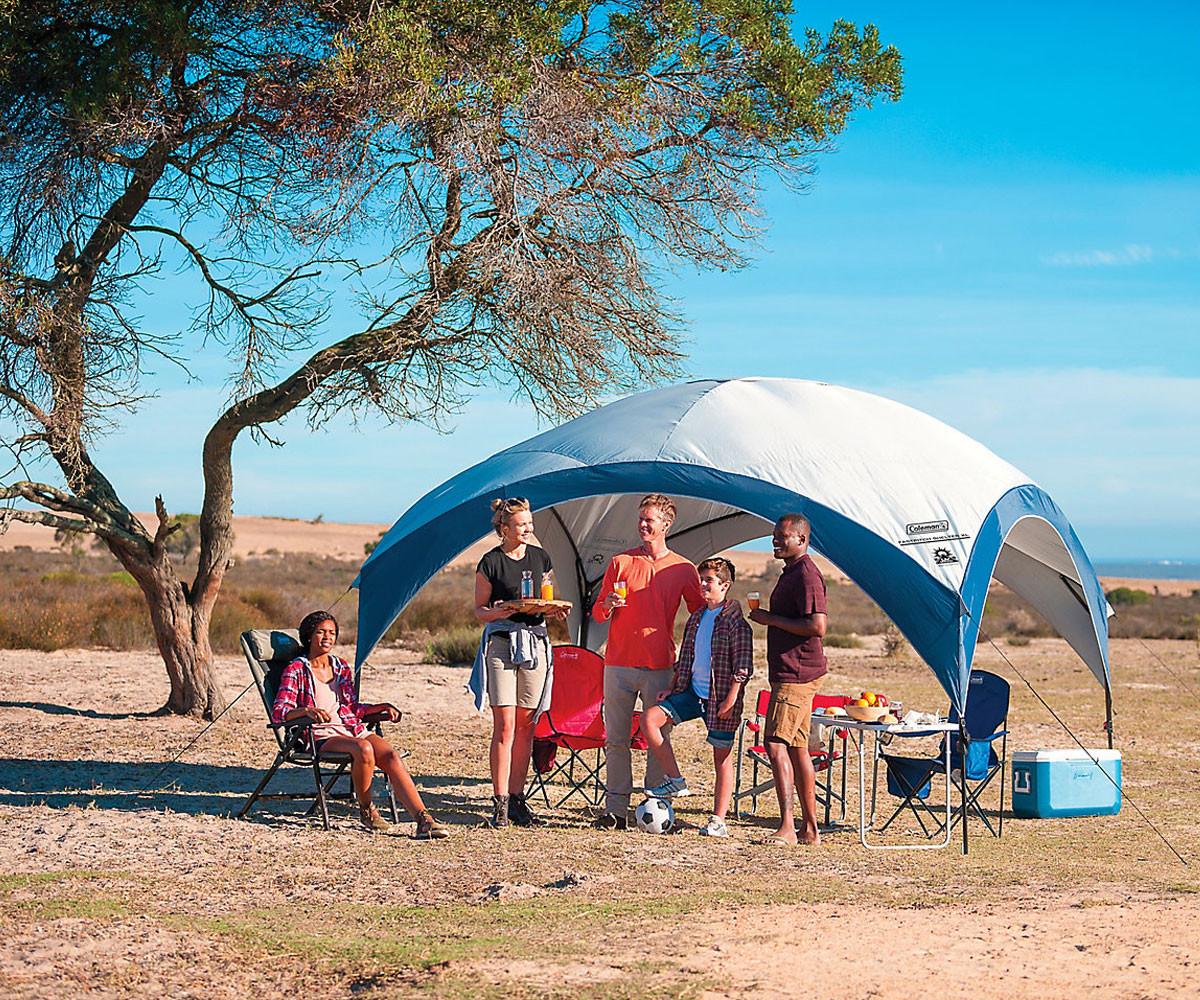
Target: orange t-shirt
642, 633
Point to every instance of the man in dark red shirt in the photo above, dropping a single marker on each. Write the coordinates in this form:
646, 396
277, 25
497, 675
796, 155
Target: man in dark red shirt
796, 668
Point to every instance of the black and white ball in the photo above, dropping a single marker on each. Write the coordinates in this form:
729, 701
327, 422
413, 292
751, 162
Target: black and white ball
655, 816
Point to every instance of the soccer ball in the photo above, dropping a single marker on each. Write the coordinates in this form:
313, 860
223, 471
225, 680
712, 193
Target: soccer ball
655, 816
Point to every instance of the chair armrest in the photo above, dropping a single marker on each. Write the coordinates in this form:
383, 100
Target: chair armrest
989, 739
303, 722
380, 715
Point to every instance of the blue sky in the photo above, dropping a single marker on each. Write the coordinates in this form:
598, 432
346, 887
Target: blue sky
1014, 248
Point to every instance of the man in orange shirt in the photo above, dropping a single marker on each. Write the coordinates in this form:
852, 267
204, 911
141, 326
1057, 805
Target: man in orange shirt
641, 643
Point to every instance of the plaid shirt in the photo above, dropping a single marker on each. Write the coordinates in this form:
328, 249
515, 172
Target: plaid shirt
732, 660
296, 691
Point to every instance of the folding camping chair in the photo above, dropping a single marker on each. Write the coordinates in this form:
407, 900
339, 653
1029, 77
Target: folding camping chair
823, 758
574, 723
268, 651
986, 719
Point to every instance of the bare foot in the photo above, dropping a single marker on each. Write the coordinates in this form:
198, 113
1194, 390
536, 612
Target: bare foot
786, 833
809, 836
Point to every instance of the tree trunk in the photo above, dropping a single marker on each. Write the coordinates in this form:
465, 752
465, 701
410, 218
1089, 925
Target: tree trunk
181, 631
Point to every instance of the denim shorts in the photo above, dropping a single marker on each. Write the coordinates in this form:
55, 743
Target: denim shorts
687, 705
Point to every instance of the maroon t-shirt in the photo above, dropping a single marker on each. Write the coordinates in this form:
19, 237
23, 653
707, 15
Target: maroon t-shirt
791, 658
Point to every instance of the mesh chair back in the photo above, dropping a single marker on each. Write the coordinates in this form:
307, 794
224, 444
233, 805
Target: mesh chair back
576, 695
268, 651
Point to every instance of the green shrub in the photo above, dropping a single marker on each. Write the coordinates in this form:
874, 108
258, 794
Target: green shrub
894, 643
124, 578
274, 604
455, 647
67, 577
839, 641
231, 617
1127, 595
1018, 640
123, 622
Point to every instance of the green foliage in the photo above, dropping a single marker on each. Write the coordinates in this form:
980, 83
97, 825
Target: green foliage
455, 647
185, 539
466, 60
894, 643
1128, 595
838, 640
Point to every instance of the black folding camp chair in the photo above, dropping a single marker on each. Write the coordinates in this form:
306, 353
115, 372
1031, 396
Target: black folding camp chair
268, 651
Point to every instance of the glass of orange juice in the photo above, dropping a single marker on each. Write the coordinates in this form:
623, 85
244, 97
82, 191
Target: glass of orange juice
620, 589
548, 587
752, 600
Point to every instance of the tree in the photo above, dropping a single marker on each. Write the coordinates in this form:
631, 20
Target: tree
528, 170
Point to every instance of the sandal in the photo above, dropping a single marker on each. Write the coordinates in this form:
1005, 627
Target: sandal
429, 828
371, 820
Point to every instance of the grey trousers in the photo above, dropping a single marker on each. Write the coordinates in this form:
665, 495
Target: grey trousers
623, 686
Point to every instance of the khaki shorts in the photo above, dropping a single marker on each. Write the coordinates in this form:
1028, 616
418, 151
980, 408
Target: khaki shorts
790, 712
508, 684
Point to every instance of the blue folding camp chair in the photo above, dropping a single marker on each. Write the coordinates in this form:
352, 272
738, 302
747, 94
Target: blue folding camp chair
986, 719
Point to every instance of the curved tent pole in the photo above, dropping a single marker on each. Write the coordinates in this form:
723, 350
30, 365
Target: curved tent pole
1009, 511
922, 607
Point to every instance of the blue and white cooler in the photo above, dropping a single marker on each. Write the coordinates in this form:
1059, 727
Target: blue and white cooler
1066, 783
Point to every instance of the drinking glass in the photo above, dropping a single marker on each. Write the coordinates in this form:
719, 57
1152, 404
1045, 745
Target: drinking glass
752, 600
620, 589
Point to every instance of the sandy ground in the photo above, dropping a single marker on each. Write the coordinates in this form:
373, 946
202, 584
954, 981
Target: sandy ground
87, 791
254, 536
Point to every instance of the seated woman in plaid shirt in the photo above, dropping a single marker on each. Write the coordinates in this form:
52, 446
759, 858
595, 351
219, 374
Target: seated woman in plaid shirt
320, 686
716, 659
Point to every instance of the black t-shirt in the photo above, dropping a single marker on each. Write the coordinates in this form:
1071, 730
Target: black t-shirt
504, 574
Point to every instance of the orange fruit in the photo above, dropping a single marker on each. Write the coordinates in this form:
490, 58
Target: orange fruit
868, 697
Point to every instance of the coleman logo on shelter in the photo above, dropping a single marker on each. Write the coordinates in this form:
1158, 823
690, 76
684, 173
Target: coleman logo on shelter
927, 527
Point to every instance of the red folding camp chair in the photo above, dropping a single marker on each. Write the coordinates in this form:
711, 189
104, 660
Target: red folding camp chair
574, 724
823, 759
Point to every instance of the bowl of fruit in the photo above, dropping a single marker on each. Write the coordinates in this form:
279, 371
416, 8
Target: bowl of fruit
867, 707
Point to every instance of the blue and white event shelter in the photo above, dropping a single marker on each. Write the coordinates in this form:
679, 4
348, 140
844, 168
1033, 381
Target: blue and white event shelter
920, 516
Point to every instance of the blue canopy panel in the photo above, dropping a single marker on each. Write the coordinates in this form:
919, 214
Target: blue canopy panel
1027, 543
410, 554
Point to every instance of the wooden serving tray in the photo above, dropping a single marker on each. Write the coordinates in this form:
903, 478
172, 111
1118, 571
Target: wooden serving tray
535, 606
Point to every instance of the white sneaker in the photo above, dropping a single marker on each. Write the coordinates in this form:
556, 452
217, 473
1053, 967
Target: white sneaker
671, 788
715, 828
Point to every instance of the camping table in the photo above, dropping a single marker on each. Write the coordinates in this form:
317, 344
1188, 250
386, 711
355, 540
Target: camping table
858, 735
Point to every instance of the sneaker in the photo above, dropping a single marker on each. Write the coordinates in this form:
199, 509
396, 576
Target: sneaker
671, 788
609, 822
518, 811
716, 828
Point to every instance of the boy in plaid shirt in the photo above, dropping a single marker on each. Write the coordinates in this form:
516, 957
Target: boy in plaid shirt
716, 659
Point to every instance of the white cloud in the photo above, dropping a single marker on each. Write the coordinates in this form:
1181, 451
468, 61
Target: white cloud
1131, 253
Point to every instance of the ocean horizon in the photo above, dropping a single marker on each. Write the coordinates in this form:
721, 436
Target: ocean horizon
1149, 569
1133, 569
